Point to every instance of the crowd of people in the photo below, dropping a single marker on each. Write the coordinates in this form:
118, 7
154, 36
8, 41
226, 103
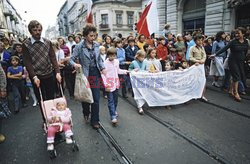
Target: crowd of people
38, 63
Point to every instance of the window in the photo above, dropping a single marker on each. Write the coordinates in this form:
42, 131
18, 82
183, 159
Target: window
104, 19
118, 18
130, 18
193, 15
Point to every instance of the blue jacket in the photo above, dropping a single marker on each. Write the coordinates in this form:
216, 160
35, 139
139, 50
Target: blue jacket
130, 54
121, 55
82, 54
137, 64
5, 61
190, 44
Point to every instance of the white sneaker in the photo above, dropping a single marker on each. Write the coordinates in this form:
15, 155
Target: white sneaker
216, 84
69, 140
35, 104
50, 147
114, 121
140, 111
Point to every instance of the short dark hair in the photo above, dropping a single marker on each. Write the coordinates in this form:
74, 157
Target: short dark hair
15, 58
218, 36
131, 40
34, 24
145, 47
141, 35
242, 29
72, 36
198, 37
108, 36
161, 38
117, 41
87, 29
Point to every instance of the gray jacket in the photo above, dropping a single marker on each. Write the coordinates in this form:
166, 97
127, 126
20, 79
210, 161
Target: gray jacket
3, 82
82, 54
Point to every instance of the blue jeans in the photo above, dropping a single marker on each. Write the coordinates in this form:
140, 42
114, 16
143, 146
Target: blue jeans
95, 81
241, 87
112, 103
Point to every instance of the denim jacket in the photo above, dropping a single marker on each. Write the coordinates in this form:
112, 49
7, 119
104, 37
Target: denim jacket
82, 54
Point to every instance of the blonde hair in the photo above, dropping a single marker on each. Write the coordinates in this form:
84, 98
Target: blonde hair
55, 44
140, 53
102, 47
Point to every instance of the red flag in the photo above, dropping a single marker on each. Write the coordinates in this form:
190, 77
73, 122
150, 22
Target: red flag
89, 18
148, 22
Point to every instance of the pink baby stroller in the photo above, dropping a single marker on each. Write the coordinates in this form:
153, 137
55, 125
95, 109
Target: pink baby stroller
60, 137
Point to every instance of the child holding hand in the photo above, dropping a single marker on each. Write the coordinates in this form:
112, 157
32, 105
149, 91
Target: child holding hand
112, 82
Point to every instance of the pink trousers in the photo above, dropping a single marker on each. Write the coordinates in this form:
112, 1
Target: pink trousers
52, 130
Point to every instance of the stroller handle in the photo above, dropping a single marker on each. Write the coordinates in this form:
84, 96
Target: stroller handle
41, 95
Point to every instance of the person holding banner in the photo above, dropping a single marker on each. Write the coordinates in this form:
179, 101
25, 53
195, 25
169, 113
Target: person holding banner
153, 65
197, 56
139, 64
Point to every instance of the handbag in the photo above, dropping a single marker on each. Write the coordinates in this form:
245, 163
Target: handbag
82, 91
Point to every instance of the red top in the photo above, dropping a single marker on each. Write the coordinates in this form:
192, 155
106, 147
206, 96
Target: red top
178, 57
162, 52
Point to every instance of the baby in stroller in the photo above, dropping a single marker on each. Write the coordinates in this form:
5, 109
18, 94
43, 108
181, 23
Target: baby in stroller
59, 120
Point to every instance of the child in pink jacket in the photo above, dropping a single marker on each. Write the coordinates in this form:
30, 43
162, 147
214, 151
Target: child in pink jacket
59, 119
112, 82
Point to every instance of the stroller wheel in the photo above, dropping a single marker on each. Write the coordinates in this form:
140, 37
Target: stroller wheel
52, 154
75, 147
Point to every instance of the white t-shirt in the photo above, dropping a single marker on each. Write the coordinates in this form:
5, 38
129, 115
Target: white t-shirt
70, 44
1, 56
59, 55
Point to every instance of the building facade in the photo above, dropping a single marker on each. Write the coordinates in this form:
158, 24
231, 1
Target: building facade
110, 17
209, 15
62, 20
114, 17
11, 23
73, 15
52, 33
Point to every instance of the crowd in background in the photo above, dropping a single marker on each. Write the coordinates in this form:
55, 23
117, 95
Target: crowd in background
226, 57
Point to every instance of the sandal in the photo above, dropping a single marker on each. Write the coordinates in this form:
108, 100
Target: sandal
237, 97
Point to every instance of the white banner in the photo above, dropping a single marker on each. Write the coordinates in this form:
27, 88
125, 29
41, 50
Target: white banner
168, 88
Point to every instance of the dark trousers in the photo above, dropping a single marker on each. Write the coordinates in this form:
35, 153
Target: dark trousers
95, 81
112, 103
226, 81
70, 81
57, 87
123, 79
47, 88
123, 84
19, 95
163, 63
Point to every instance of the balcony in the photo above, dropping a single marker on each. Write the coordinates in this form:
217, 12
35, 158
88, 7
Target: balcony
104, 27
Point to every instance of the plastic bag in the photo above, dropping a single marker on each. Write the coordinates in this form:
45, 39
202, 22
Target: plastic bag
82, 91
